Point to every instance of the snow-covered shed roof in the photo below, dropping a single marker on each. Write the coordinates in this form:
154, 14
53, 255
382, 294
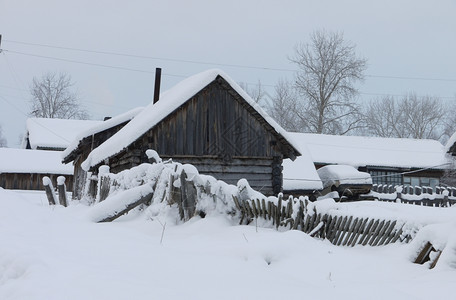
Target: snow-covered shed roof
170, 100
300, 174
99, 127
360, 151
33, 161
45, 133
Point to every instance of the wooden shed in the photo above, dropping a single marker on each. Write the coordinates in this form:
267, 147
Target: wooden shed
22, 169
206, 120
90, 138
53, 134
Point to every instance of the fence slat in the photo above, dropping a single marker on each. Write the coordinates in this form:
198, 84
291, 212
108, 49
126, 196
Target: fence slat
375, 232
366, 232
381, 232
387, 233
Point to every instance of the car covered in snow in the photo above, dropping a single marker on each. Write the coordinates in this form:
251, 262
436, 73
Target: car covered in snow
346, 180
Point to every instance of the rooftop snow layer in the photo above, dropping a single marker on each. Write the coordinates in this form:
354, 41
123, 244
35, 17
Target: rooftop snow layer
169, 101
343, 174
99, 127
300, 174
55, 133
32, 161
372, 151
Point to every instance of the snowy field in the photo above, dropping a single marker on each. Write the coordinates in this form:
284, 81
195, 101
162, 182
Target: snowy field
58, 253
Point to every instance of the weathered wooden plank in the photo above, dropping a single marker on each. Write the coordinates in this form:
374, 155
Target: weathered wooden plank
298, 218
130, 206
330, 227
339, 230
397, 235
258, 207
62, 191
387, 234
360, 227
332, 235
423, 255
381, 233
264, 209
350, 232
344, 230
366, 232
374, 231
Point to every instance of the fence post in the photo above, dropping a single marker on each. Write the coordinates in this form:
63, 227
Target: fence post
374, 187
47, 183
445, 194
62, 191
103, 183
398, 193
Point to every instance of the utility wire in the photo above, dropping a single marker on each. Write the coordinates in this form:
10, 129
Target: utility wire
215, 63
154, 58
90, 64
165, 74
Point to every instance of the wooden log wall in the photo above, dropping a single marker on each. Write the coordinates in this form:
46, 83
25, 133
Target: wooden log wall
24, 181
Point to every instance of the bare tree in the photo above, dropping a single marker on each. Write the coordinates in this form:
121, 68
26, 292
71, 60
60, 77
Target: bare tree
283, 107
328, 72
450, 122
3, 143
52, 97
409, 117
257, 92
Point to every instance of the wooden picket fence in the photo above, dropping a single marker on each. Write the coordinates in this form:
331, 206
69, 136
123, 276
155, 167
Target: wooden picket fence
292, 213
423, 196
339, 230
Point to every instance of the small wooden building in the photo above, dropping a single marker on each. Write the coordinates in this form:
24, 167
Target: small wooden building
22, 169
390, 161
206, 120
90, 138
53, 134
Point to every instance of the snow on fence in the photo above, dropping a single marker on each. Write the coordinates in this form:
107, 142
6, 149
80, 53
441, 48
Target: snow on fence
169, 186
300, 214
425, 196
50, 191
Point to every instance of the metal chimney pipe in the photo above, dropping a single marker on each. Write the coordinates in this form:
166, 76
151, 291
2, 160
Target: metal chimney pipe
157, 84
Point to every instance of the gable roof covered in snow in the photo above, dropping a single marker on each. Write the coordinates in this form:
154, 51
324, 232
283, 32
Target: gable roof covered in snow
53, 134
360, 151
169, 102
71, 151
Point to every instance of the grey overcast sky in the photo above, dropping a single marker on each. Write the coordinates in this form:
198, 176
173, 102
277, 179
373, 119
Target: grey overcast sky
410, 46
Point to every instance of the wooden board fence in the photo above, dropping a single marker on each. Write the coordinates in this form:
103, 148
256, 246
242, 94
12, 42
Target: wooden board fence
339, 230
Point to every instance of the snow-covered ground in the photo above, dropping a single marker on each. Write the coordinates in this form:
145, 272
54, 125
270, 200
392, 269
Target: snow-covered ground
58, 253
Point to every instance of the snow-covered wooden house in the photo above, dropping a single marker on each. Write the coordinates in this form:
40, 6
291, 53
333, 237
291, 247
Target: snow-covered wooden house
391, 161
206, 120
90, 138
52, 134
22, 169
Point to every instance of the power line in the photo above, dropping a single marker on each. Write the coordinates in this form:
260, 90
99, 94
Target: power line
88, 63
184, 76
154, 57
216, 63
